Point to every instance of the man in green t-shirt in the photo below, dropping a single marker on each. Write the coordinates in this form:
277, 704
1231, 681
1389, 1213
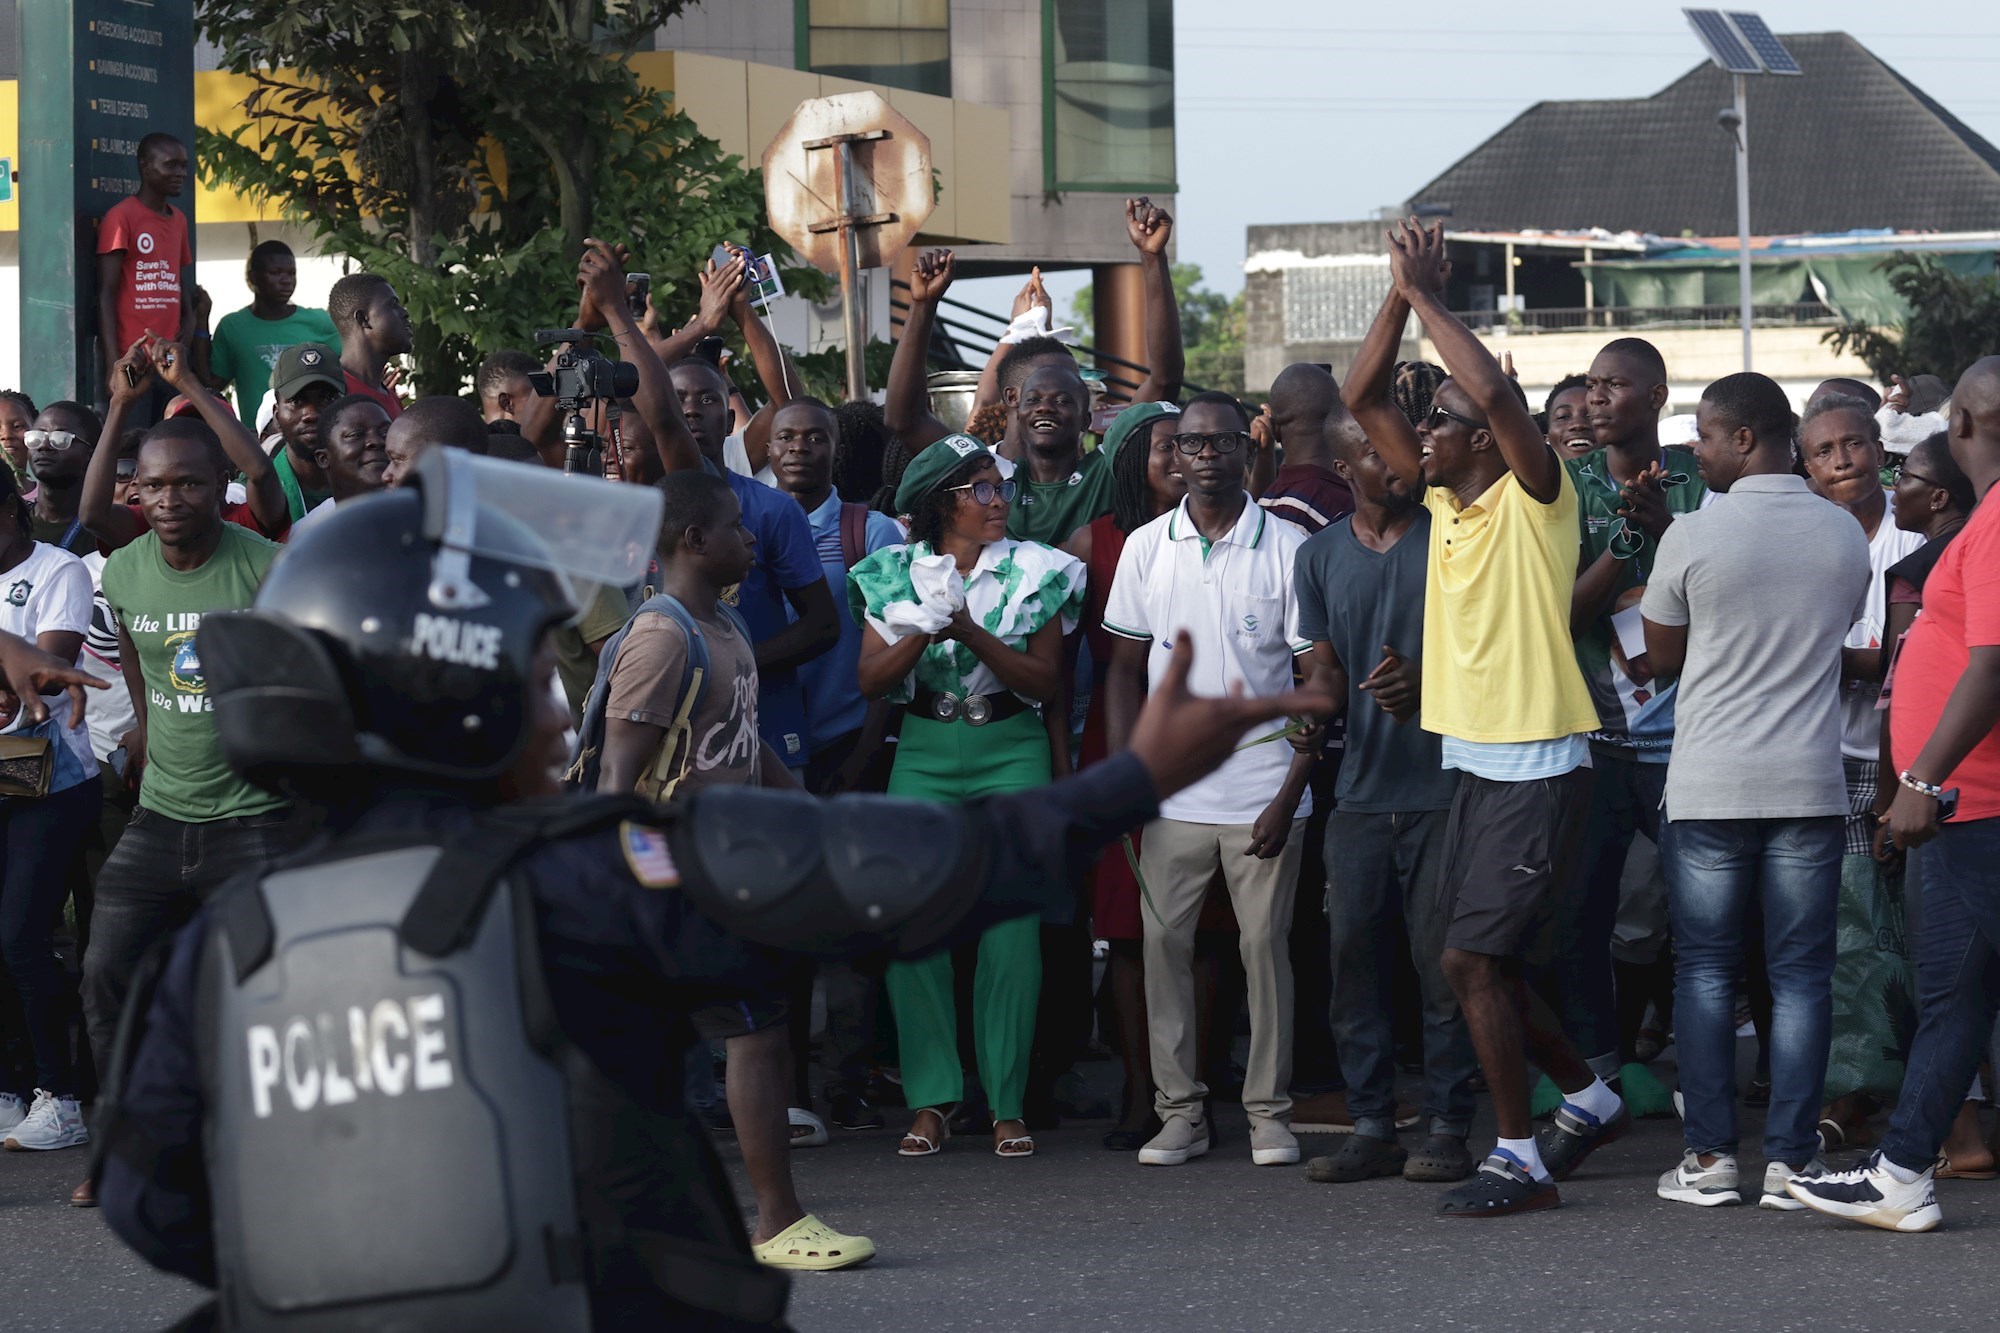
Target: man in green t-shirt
306, 379
1628, 490
245, 346
197, 823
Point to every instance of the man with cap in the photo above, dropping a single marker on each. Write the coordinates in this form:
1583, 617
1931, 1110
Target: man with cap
626, 1220
306, 379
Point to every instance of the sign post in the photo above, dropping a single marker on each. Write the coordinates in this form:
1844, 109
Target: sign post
96, 77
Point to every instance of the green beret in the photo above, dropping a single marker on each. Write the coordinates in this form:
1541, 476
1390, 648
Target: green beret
1129, 422
928, 469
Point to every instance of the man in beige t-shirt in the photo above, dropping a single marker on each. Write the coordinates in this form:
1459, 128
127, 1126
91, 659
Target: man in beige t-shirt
720, 746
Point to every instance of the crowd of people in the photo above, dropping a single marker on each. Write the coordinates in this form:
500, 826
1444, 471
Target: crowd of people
1612, 764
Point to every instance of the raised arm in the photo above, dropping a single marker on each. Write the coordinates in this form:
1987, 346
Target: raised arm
260, 479
718, 289
774, 371
601, 274
1418, 264
1166, 357
1367, 393
1032, 294
906, 409
110, 522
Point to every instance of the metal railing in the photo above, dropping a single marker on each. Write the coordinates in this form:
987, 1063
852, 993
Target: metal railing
1803, 314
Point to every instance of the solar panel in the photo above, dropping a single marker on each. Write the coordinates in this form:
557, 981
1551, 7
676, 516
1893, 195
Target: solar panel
1764, 44
1724, 46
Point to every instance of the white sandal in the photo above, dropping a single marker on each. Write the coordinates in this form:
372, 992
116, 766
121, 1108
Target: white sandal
806, 1120
1000, 1148
930, 1148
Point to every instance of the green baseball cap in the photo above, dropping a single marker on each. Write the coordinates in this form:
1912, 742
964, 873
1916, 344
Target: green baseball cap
1129, 422
928, 470
304, 364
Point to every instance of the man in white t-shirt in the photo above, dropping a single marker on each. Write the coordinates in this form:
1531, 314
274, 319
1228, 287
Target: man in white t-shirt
1841, 442
1221, 568
45, 599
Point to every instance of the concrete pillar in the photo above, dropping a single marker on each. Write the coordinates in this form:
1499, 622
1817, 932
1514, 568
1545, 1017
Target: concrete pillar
1118, 316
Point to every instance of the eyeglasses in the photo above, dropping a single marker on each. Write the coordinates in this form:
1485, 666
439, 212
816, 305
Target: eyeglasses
54, 439
1906, 475
1222, 442
1439, 410
986, 492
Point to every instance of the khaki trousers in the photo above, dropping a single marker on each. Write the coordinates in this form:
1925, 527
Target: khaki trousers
1177, 861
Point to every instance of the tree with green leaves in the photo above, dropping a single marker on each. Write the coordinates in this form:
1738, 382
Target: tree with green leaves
1211, 330
1954, 320
465, 148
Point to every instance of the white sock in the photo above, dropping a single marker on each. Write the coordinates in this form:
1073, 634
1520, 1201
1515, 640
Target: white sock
1902, 1174
1977, 1092
1527, 1154
1598, 1099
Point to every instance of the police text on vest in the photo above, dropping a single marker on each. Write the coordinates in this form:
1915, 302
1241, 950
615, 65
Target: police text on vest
388, 1048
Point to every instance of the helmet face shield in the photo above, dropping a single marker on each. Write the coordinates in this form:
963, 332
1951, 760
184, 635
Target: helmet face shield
582, 529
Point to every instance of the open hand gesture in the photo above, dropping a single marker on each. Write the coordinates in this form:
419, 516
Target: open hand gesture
720, 286
1181, 737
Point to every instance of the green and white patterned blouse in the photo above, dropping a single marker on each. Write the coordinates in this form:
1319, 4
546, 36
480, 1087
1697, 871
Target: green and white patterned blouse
1013, 590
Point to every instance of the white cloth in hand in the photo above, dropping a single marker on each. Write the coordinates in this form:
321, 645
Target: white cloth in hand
940, 593
1034, 323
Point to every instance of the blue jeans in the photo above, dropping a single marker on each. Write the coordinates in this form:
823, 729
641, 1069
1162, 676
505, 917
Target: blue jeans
1378, 866
1716, 869
1958, 985
38, 840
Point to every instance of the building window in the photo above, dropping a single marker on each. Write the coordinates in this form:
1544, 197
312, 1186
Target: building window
901, 43
1108, 94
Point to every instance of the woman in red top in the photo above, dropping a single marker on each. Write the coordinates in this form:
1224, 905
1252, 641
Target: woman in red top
1146, 483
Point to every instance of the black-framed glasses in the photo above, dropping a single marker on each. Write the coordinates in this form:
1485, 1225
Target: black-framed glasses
1904, 474
1440, 410
54, 439
986, 492
1222, 442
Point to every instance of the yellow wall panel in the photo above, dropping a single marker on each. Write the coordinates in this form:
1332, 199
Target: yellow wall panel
933, 116
774, 94
983, 146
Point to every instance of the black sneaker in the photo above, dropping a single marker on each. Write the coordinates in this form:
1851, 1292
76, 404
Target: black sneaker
1500, 1186
851, 1112
1358, 1158
1573, 1134
1441, 1160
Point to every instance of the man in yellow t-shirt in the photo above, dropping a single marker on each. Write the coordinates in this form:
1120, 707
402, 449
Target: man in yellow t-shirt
1503, 691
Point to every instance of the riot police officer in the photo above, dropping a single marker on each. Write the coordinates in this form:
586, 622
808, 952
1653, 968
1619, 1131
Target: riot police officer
426, 1074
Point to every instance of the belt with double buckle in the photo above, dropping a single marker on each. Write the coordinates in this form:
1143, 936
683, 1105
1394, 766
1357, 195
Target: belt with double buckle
975, 710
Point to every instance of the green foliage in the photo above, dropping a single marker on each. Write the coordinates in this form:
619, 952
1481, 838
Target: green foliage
1211, 330
464, 149
825, 372
1954, 320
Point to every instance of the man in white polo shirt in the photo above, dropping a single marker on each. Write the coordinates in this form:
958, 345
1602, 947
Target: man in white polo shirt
1221, 568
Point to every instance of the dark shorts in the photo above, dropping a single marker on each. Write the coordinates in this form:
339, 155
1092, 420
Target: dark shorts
739, 1018
1511, 853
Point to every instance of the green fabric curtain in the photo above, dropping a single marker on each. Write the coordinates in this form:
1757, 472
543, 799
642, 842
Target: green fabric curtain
1852, 286
1858, 291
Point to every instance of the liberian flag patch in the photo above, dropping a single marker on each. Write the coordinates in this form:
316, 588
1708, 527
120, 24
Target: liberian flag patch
647, 856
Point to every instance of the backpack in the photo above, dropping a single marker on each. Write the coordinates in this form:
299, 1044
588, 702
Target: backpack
853, 533
655, 782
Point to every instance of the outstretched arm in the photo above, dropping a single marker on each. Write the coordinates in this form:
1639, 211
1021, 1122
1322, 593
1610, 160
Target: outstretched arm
260, 479
1150, 227
1032, 294
1417, 261
1368, 396
774, 371
906, 409
110, 522
718, 289
601, 274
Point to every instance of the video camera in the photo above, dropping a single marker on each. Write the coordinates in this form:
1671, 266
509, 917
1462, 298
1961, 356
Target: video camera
583, 376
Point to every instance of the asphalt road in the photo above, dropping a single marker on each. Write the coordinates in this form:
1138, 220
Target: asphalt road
1080, 1238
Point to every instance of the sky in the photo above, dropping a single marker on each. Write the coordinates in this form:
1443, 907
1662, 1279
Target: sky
1327, 110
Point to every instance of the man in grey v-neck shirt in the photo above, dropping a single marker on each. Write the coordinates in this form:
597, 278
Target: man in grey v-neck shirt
1749, 603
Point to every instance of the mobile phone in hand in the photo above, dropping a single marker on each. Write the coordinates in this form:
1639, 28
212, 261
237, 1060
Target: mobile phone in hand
638, 286
1947, 804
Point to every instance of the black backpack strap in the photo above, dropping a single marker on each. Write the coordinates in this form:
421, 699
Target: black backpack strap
446, 910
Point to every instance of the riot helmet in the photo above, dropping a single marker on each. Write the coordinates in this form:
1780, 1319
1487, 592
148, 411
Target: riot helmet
397, 636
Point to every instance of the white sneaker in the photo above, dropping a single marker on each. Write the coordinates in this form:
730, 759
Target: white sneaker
1703, 1186
1869, 1194
1271, 1144
12, 1112
1777, 1174
54, 1122
1178, 1140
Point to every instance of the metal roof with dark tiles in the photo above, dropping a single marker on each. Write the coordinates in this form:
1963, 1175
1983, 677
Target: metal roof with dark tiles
1850, 144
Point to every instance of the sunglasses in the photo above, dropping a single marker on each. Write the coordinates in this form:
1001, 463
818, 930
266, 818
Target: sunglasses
1222, 442
54, 439
1438, 410
986, 492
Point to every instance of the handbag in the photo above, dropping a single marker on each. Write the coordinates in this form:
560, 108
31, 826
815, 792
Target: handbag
27, 765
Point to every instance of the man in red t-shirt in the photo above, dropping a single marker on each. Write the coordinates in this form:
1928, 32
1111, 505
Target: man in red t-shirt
1943, 737
373, 327
143, 257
